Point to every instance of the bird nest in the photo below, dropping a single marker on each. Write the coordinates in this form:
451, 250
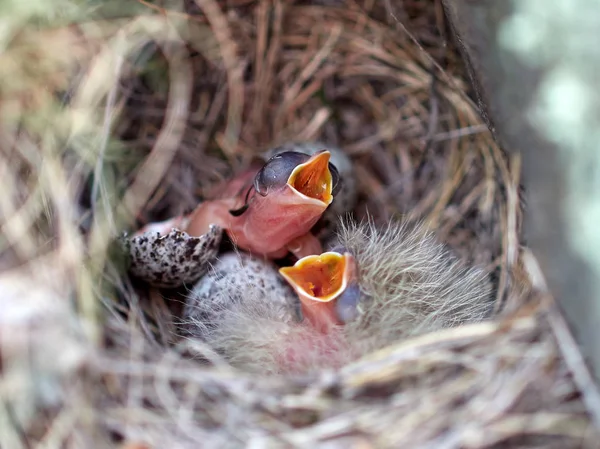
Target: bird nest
139, 114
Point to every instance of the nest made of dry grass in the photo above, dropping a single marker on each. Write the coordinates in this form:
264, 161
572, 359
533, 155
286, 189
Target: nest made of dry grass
110, 123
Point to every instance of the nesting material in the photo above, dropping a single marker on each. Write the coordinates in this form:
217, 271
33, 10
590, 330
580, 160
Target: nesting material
34, 317
117, 123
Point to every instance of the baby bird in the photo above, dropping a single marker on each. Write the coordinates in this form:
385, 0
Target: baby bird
240, 291
275, 214
379, 286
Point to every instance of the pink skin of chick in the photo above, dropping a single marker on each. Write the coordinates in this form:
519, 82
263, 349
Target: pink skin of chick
289, 195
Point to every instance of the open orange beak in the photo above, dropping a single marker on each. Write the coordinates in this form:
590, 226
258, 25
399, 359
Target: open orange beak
312, 180
319, 281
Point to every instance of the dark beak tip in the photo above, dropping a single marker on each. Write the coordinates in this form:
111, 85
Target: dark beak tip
335, 179
347, 304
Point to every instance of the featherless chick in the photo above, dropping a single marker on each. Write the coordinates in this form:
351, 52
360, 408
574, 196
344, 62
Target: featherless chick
275, 213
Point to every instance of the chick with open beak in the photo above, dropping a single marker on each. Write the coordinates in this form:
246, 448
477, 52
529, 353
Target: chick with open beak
327, 287
245, 310
345, 196
377, 286
274, 215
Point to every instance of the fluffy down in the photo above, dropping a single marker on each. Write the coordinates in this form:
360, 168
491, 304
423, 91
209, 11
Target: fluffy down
410, 284
250, 334
236, 280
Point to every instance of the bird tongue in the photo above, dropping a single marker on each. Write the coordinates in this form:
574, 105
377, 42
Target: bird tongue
313, 179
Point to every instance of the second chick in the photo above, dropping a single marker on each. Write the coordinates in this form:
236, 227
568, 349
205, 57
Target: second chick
409, 284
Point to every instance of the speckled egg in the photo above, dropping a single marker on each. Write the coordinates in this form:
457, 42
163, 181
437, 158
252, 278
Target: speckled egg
235, 282
345, 199
172, 259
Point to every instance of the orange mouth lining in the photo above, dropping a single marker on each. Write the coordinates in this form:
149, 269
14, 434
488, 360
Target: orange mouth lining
313, 178
319, 277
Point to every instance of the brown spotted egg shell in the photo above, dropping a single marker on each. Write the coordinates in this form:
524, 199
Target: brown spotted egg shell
172, 259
